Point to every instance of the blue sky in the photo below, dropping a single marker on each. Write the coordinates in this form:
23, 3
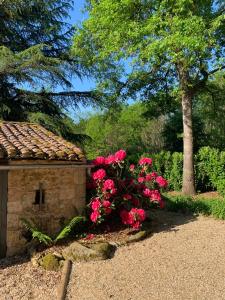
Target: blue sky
77, 17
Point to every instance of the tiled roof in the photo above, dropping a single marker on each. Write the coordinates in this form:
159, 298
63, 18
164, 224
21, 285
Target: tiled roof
20, 140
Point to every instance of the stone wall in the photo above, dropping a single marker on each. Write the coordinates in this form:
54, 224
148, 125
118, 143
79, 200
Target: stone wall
64, 190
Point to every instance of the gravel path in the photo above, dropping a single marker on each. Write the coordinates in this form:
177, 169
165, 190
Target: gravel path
183, 259
19, 280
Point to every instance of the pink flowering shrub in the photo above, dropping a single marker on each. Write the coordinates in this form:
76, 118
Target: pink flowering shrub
116, 188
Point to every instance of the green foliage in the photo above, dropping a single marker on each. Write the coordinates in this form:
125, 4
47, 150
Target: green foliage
213, 207
127, 127
35, 41
210, 109
36, 233
173, 132
176, 171
172, 47
170, 166
159, 39
212, 164
68, 228
209, 169
47, 240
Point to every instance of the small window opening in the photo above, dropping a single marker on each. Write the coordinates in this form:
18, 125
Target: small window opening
39, 196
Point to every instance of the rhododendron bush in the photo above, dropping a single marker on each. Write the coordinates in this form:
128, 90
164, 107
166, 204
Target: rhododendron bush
117, 188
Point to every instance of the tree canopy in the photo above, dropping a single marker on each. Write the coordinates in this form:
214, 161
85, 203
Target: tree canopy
173, 47
126, 128
35, 41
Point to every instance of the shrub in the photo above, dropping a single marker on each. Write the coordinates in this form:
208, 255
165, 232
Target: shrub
211, 163
120, 189
209, 169
170, 165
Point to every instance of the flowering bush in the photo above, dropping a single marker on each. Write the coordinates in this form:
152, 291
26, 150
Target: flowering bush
125, 190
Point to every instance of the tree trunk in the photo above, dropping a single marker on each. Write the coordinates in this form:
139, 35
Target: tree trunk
188, 187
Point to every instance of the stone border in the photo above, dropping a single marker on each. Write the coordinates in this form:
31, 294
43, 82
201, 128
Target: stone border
65, 278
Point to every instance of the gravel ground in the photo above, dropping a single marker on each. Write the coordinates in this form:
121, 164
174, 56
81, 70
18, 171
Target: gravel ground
183, 259
19, 280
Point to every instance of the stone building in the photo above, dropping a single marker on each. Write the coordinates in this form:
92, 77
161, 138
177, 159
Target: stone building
42, 179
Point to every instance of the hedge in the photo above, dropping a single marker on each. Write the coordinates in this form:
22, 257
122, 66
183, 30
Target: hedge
209, 169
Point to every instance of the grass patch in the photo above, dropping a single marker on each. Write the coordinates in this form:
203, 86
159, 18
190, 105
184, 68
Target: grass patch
209, 207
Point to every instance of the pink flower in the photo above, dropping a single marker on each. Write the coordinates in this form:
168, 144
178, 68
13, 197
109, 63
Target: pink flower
141, 213
136, 225
126, 217
132, 167
134, 217
155, 195
154, 175
108, 210
141, 179
108, 185
148, 177
147, 192
162, 182
95, 204
138, 214
151, 176
127, 197
145, 161
94, 216
120, 155
100, 160
106, 203
90, 236
99, 174
110, 160
113, 191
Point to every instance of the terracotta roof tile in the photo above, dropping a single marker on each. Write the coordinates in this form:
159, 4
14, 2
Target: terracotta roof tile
19, 140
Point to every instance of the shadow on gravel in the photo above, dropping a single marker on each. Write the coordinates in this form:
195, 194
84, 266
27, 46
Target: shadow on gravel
163, 220
13, 260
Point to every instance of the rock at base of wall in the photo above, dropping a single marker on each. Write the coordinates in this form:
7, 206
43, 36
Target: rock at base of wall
50, 262
96, 251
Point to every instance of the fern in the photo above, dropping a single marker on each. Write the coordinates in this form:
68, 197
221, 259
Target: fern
47, 240
68, 228
36, 233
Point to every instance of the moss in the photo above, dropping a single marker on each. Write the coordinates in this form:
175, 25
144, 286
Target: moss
50, 262
97, 251
137, 236
104, 250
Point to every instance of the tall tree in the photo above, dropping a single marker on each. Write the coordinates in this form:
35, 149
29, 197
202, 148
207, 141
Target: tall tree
173, 46
35, 59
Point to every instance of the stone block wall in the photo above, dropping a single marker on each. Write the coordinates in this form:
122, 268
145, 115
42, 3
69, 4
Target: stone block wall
64, 190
